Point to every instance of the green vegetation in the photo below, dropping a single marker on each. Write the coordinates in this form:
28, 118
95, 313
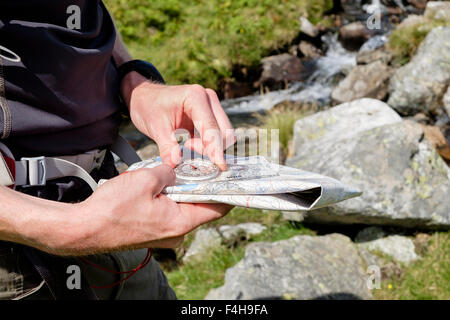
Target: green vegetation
283, 118
200, 41
428, 278
404, 40
193, 280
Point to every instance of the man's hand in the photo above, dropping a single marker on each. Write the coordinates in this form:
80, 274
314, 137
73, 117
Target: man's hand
125, 213
159, 110
129, 211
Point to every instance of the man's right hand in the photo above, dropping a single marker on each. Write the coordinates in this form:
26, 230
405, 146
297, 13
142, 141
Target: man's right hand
127, 212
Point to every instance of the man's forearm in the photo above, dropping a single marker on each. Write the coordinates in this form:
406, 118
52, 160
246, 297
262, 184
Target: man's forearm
34, 222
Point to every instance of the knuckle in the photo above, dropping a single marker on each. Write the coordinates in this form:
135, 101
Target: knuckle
211, 92
196, 88
195, 91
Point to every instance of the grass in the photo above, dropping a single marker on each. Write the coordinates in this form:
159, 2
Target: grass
404, 41
283, 118
193, 280
426, 279
200, 41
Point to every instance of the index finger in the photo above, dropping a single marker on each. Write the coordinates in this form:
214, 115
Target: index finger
204, 121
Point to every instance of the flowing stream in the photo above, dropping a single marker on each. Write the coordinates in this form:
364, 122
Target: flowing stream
317, 88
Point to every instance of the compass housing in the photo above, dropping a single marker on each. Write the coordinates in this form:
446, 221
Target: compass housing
196, 170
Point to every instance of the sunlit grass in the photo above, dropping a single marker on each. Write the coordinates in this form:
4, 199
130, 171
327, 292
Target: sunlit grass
404, 41
200, 41
426, 279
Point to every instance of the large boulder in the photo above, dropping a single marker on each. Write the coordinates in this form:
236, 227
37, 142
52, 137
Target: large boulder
420, 85
303, 267
370, 80
340, 122
365, 144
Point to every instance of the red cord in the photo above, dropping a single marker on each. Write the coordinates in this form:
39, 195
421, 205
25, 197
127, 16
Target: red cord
130, 273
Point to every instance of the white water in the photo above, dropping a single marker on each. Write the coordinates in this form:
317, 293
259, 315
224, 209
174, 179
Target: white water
316, 88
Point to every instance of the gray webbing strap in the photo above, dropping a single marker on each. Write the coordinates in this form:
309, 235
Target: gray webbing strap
125, 151
36, 171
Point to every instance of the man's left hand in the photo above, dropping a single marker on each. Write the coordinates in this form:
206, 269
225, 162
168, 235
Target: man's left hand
159, 110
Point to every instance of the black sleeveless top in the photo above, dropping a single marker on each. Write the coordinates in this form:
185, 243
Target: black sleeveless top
63, 96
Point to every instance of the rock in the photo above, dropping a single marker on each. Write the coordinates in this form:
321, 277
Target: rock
410, 21
380, 54
365, 144
421, 243
374, 43
280, 69
352, 7
370, 234
236, 89
437, 10
205, 240
149, 151
399, 248
419, 4
420, 85
293, 216
369, 80
446, 101
333, 125
353, 35
308, 28
242, 231
370, 259
420, 118
438, 141
303, 267
309, 51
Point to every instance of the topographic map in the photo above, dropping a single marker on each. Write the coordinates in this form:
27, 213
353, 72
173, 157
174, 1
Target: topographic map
254, 182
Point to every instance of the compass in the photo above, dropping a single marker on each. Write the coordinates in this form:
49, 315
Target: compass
196, 170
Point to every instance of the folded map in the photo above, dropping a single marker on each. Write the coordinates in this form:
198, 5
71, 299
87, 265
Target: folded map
254, 182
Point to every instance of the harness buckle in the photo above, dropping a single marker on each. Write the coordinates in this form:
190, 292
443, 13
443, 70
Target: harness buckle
36, 171
98, 157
